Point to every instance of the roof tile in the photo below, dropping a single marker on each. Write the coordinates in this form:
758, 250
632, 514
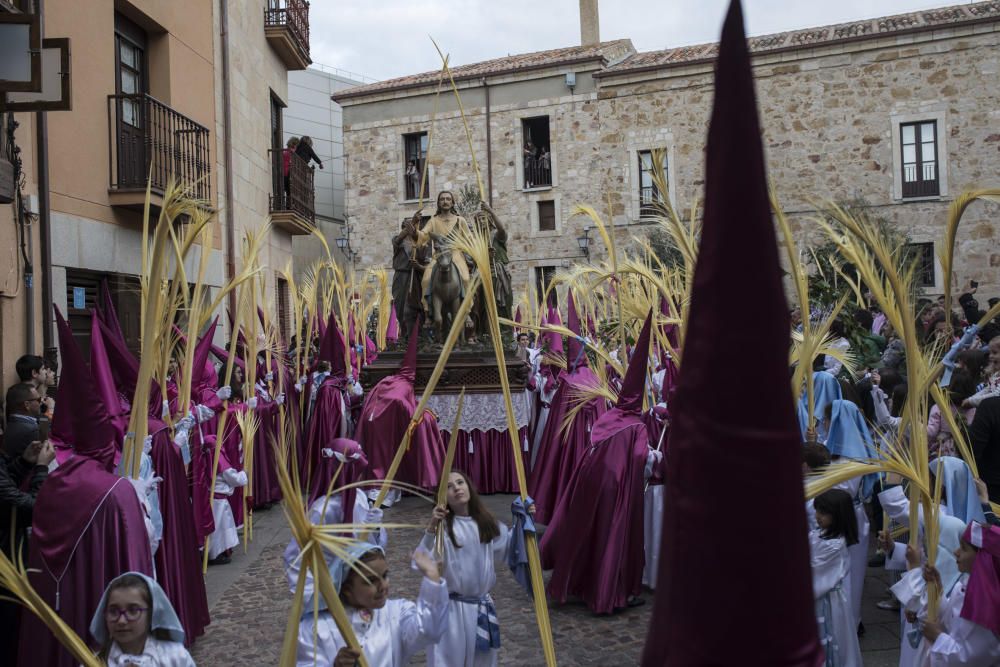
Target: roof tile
610, 52
811, 37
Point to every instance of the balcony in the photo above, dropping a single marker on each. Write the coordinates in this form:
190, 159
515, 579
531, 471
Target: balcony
292, 203
286, 26
150, 141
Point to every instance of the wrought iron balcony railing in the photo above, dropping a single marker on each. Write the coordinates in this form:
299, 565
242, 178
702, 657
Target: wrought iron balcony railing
286, 25
292, 189
149, 140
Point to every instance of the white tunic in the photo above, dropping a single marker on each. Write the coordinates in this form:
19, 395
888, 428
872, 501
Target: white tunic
653, 530
546, 391
470, 572
963, 643
156, 653
225, 535
837, 624
389, 639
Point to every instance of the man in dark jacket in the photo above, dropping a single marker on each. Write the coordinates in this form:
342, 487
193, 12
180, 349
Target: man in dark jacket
23, 409
984, 436
15, 516
305, 151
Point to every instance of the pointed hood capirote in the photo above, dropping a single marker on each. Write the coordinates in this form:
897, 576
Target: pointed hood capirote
333, 348
577, 352
724, 438
634, 384
408, 369
82, 416
104, 380
202, 370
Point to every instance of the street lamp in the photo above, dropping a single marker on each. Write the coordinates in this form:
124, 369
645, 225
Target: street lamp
341, 242
584, 242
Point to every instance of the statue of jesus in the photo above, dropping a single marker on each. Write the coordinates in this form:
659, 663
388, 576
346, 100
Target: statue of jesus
439, 226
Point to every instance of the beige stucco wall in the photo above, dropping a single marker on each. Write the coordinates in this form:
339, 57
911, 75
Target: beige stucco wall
87, 232
827, 116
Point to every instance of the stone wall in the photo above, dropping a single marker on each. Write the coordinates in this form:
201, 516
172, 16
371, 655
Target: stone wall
828, 117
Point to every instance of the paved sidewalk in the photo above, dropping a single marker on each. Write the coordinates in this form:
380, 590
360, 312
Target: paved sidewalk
250, 601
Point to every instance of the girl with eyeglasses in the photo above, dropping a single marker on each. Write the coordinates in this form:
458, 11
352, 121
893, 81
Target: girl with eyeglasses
135, 624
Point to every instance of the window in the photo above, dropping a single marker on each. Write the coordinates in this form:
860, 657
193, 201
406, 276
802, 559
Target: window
920, 163
546, 216
281, 294
543, 278
649, 191
415, 161
923, 255
130, 60
536, 152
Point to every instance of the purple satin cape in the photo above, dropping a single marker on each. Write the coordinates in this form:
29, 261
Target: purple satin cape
384, 419
561, 451
178, 567
88, 528
324, 425
594, 543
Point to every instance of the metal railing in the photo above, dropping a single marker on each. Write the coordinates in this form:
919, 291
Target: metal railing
649, 200
149, 140
293, 14
537, 172
292, 190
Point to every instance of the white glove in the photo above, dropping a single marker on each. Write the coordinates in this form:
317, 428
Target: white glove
144, 486
252, 403
187, 423
203, 413
356, 389
181, 438
299, 387
280, 400
303, 380
224, 393
269, 377
373, 516
165, 412
147, 444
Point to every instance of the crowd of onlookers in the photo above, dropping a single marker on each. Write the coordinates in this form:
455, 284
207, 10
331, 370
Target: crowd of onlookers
25, 456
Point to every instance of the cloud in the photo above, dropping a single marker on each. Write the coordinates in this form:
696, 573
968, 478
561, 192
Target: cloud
388, 38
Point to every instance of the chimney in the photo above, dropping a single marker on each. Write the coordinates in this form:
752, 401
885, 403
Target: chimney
590, 25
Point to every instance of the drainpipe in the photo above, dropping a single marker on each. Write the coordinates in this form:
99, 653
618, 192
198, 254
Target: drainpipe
227, 158
489, 144
44, 226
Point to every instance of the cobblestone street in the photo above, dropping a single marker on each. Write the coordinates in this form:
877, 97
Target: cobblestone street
250, 602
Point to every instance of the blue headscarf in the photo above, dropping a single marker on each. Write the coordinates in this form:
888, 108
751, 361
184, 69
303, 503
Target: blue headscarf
161, 614
339, 570
826, 390
848, 435
960, 488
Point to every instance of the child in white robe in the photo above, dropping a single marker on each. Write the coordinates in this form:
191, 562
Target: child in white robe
955, 640
471, 542
837, 529
390, 632
222, 541
341, 463
135, 624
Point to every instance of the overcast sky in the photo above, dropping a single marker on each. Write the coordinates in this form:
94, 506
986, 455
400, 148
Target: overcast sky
383, 39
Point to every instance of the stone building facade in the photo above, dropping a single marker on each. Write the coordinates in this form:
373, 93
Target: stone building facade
842, 108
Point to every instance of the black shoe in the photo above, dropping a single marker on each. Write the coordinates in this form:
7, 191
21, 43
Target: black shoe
221, 560
861, 629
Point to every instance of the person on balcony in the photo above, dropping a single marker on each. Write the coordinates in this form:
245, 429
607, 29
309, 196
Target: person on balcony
286, 164
305, 151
